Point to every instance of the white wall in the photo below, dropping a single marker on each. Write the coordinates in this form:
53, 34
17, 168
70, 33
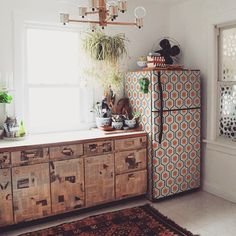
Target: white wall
192, 24
47, 11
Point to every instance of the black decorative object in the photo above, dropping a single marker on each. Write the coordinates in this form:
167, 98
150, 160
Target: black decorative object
168, 51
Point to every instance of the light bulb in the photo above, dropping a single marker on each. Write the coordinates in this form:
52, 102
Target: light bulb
94, 4
82, 11
112, 2
122, 5
140, 12
64, 18
113, 8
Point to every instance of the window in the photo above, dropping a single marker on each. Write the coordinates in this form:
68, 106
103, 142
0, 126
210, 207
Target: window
56, 98
227, 81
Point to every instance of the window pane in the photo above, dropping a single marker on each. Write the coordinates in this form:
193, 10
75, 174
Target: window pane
53, 56
228, 54
228, 110
53, 109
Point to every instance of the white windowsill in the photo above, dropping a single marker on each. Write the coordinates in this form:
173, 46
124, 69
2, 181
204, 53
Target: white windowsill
222, 145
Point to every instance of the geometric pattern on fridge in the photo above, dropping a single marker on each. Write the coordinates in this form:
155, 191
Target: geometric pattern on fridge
181, 90
176, 160
171, 110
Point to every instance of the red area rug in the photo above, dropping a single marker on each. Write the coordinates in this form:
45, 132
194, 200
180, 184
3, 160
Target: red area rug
137, 221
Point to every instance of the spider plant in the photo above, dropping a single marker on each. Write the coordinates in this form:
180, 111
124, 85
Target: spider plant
104, 47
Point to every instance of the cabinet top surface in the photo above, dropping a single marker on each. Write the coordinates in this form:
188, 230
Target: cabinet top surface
59, 138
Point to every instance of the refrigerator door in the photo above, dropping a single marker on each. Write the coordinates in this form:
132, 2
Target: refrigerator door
176, 161
175, 90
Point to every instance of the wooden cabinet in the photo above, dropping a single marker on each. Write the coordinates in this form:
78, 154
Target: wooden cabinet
6, 212
67, 185
132, 160
66, 151
49, 179
99, 179
31, 192
131, 184
31, 156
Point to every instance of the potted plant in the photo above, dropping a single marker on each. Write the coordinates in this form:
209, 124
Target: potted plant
102, 113
5, 97
106, 53
117, 121
104, 47
132, 122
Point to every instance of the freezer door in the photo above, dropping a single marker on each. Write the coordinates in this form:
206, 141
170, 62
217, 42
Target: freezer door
176, 161
180, 90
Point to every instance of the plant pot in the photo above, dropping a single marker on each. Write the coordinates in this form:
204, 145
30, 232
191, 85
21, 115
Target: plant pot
117, 125
100, 121
130, 123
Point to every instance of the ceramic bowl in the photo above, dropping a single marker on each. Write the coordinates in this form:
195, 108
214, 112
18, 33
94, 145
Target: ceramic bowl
142, 64
117, 125
103, 121
130, 123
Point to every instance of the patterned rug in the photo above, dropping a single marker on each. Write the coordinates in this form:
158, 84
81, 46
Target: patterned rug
137, 221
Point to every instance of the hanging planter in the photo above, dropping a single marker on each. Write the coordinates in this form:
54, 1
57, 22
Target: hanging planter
100, 46
144, 84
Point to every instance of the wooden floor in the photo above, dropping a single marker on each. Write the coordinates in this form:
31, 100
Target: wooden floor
199, 212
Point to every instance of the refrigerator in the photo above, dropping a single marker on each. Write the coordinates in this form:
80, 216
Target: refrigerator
170, 114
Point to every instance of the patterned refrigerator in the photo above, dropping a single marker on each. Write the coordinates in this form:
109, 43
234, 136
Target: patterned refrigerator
170, 114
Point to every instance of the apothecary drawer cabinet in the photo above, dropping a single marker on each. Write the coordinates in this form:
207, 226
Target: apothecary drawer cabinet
48, 179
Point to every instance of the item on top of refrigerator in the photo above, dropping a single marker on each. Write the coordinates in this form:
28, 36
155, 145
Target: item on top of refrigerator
142, 62
169, 49
155, 61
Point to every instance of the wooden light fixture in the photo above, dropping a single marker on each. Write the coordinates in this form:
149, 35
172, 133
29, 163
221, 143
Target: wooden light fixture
107, 12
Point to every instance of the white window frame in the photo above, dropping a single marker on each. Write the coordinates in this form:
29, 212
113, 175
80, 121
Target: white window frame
220, 82
20, 109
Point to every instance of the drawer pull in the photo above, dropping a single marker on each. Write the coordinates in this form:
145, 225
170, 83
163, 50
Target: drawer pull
67, 151
27, 155
131, 177
129, 143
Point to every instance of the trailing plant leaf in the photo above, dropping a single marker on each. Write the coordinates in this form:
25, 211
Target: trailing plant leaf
104, 47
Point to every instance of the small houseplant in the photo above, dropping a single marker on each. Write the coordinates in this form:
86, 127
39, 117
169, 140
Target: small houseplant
102, 113
5, 97
131, 122
117, 121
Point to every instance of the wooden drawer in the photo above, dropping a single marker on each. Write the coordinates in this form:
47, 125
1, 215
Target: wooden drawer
66, 151
98, 148
131, 143
31, 192
99, 179
131, 184
6, 210
130, 161
67, 185
5, 159
32, 156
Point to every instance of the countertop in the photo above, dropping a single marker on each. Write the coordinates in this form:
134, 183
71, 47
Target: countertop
67, 137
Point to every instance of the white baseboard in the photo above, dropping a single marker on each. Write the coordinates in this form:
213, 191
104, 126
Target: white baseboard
215, 190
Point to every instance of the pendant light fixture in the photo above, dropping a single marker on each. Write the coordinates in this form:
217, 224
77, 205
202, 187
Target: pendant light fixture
107, 11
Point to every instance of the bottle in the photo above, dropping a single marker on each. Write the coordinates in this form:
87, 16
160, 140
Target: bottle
22, 129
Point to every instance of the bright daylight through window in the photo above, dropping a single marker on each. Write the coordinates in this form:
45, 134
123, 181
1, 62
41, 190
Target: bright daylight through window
227, 81
55, 96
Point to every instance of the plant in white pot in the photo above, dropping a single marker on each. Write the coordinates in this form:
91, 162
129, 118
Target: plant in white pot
103, 114
131, 122
117, 121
